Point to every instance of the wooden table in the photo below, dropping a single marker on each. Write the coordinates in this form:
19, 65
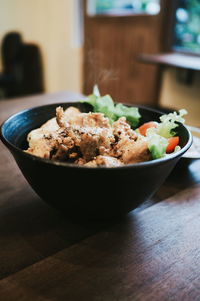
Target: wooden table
152, 254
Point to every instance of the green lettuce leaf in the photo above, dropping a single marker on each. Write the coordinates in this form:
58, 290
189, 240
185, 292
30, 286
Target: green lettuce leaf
157, 145
105, 105
131, 113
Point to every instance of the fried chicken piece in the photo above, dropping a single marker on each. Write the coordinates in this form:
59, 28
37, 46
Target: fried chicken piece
68, 114
64, 117
50, 125
91, 132
121, 128
82, 119
129, 147
65, 149
80, 161
104, 161
41, 143
94, 143
48, 141
131, 150
134, 151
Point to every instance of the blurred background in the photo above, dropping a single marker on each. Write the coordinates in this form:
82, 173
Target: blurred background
139, 51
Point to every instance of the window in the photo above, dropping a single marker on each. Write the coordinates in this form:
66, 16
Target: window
123, 7
187, 26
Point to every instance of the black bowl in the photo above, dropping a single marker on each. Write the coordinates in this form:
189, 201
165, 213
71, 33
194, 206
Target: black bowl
94, 193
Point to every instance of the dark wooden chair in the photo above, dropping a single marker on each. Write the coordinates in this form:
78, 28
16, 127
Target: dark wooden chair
22, 72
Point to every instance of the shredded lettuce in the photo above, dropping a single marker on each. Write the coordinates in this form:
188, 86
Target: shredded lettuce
105, 105
166, 128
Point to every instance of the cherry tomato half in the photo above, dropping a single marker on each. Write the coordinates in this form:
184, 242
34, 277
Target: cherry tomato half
172, 143
143, 128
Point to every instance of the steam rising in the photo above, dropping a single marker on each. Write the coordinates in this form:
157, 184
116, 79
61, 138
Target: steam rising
96, 73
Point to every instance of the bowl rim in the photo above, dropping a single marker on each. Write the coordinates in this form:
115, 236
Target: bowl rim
155, 162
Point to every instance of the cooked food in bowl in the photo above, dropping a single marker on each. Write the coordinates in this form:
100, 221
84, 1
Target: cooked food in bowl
88, 139
81, 191
108, 137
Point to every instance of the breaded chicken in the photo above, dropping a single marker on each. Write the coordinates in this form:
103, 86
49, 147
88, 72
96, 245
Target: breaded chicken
88, 139
104, 161
44, 140
91, 132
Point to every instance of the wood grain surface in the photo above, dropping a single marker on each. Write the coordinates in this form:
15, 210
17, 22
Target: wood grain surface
152, 254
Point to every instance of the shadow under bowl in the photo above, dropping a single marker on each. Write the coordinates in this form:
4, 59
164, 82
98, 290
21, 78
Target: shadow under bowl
83, 192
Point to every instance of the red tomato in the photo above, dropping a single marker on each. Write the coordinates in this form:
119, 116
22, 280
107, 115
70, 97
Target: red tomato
143, 128
172, 143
